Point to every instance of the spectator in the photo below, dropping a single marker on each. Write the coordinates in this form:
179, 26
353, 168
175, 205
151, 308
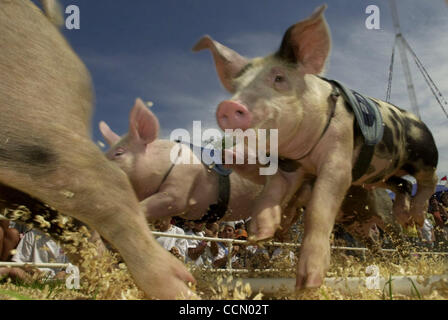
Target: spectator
36, 247
227, 232
177, 246
208, 256
21, 227
427, 232
196, 248
9, 239
211, 230
411, 233
437, 210
440, 217
242, 254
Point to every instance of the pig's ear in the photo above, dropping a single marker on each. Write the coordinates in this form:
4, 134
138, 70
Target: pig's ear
108, 135
143, 124
308, 43
228, 62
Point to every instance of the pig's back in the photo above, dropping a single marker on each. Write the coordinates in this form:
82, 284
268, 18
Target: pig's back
407, 146
43, 82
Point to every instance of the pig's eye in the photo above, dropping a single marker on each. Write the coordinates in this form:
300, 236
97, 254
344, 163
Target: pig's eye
279, 79
119, 152
280, 83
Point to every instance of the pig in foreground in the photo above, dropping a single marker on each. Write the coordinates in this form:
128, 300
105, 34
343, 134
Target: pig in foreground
46, 150
317, 130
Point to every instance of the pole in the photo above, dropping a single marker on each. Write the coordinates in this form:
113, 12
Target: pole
404, 59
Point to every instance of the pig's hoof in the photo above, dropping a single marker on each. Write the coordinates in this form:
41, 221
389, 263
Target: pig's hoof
310, 282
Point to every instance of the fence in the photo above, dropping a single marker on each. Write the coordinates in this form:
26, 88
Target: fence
229, 243
407, 285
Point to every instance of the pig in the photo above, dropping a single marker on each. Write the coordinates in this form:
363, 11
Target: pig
167, 189
188, 190
318, 131
46, 151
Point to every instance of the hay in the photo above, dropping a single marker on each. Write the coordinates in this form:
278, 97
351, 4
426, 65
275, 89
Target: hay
105, 277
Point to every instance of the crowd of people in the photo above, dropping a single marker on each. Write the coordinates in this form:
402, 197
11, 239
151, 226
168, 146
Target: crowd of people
433, 235
20, 244
213, 254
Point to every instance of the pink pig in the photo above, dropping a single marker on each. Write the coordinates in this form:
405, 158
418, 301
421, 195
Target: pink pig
185, 190
167, 189
46, 151
317, 130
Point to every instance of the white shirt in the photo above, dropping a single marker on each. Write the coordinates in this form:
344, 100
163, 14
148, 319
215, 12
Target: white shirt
223, 251
427, 230
168, 242
193, 244
38, 248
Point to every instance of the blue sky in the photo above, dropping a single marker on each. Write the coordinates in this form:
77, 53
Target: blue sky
142, 48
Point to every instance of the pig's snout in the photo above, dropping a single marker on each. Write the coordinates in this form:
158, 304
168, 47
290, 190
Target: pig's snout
233, 115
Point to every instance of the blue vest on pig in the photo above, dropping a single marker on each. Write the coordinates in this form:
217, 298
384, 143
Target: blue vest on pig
217, 167
217, 210
370, 122
366, 112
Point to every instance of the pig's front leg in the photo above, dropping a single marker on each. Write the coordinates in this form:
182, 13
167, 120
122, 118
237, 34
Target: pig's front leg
333, 181
173, 195
294, 208
266, 215
161, 205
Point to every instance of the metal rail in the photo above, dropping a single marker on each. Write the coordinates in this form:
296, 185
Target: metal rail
229, 243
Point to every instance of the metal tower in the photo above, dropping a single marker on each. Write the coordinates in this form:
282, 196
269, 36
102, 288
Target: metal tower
402, 46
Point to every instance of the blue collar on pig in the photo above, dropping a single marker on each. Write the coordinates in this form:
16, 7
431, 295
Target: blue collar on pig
368, 118
218, 168
217, 210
